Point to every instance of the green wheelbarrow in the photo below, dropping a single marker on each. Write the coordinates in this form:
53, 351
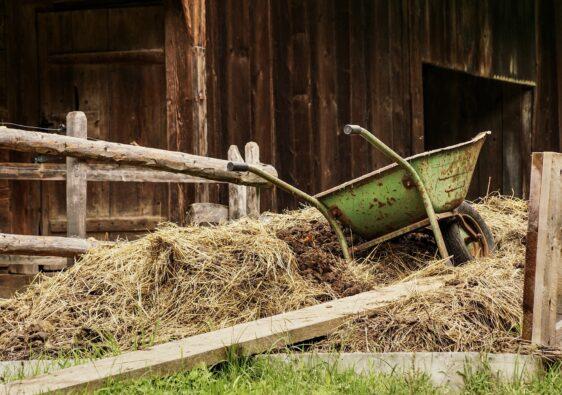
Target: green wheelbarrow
428, 189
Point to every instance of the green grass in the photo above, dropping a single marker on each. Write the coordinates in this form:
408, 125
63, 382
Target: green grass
260, 376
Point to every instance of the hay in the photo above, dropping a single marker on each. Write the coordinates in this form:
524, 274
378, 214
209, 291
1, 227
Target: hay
178, 282
479, 310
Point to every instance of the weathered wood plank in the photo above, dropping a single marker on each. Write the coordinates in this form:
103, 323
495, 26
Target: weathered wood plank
48, 263
111, 224
250, 338
252, 156
76, 184
46, 245
543, 255
11, 283
237, 195
207, 213
94, 172
173, 161
134, 56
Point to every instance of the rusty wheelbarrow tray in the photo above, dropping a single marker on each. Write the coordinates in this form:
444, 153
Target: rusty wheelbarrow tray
409, 194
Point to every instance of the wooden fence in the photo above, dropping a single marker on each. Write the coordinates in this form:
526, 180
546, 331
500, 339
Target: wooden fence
542, 299
127, 163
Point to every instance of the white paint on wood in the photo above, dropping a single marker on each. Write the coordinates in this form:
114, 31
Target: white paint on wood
209, 348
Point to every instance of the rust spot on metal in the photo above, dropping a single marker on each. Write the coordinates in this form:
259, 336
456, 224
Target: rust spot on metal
407, 182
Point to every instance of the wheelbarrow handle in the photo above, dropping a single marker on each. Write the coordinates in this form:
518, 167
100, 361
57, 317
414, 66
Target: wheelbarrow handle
238, 166
352, 129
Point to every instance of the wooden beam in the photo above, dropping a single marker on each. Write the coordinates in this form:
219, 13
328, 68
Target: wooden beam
46, 245
111, 224
76, 183
252, 156
209, 348
543, 264
94, 172
136, 56
172, 161
236, 193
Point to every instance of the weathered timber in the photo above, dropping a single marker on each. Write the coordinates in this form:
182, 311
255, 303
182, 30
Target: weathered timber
237, 196
135, 56
46, 245
94, 172
543, 263
47, 263
207, 213
252, 156
76, 184
111, 224
212, 347
173, 161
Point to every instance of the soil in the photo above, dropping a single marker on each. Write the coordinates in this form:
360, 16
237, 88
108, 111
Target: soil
319, 256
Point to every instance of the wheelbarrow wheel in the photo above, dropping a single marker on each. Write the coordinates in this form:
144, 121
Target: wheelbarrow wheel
467, 236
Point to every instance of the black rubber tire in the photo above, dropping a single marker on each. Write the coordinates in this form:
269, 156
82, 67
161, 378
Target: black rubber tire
453, 237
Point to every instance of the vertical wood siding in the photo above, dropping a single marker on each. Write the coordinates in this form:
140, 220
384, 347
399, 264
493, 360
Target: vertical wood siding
289, 74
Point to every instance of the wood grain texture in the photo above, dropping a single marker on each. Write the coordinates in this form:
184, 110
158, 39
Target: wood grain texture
76, 184
94, 172
237, 194
207, 214
209, 348
252, 156
543, 263
211, 168
111, 224
45, 245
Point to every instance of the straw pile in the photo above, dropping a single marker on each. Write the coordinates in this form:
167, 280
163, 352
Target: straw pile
479, 310
178, 282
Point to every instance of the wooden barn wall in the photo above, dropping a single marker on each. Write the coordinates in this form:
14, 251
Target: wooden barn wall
290, 74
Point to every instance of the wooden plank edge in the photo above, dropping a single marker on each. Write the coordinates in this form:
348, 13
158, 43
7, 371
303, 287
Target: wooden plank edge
210, 348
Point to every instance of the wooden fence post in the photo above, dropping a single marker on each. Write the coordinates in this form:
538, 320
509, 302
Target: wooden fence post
76, 183
252, 156
543, 266
237, 197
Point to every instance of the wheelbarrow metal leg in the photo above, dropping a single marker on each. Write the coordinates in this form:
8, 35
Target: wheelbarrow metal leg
389, 152
300, 194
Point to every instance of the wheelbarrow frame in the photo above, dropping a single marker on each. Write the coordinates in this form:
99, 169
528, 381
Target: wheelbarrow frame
432, 218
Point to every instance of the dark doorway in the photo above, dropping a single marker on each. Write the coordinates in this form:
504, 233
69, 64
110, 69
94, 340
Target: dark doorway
457, 106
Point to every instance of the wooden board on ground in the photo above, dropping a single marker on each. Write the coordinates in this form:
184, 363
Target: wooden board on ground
542, 302
209, 348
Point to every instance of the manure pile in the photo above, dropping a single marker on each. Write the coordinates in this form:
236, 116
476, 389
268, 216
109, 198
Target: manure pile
181, 281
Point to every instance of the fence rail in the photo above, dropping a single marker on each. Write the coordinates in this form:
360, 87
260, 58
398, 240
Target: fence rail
123, 163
